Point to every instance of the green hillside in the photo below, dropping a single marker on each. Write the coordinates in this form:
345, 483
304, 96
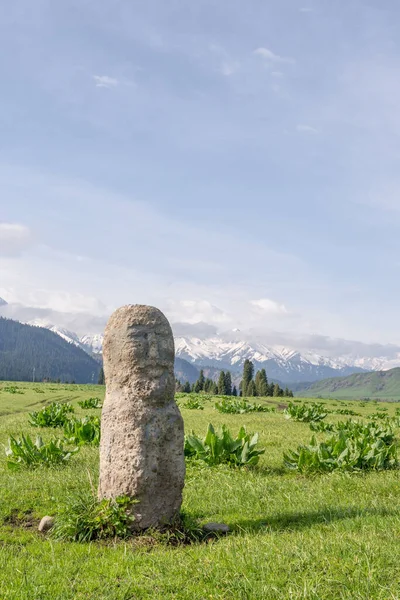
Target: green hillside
378, 385
26, 351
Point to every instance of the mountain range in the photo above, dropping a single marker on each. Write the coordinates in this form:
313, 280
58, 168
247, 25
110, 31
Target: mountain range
282, 364
287, 359
28, 352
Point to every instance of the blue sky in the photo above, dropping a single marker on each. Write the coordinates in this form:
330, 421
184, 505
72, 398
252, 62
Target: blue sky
230, 162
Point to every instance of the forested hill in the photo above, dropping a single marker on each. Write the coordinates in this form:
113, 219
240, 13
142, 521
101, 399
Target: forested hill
24, 348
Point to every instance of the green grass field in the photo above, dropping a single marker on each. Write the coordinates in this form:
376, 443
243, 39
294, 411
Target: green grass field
322, 537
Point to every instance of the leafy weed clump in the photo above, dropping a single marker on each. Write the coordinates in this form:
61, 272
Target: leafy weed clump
306, 413
193, 403
53, 415
90, 403
82, 431
377, 415
13, 389
84, 518
377, 430
24, 453
354, 428
357, 448
220, 447
321, 426
239, 407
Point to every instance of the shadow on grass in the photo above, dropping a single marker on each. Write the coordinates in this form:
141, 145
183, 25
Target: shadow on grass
302, 520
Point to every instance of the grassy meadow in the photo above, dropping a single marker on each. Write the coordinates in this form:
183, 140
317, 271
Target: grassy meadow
380, 385
333, 536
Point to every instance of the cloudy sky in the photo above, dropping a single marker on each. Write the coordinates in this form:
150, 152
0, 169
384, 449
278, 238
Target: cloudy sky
230, 162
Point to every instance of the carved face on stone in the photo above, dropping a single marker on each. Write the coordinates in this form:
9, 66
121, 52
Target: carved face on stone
139, 352
150, 346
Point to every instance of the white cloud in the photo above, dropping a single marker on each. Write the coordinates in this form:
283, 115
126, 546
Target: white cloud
270, 306
228, 68
272, 58
64, 301
104, 81
306, 129
227, 65
14, 239
196, 311
177, 264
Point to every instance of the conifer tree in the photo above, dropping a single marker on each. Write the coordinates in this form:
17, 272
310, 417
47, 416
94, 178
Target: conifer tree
257, 382
262, 383
248, 372
278, 391
228, 383
207, 384
202, 380
101, 380
234, 391
221, 384
199, 385
186, 388
251, 389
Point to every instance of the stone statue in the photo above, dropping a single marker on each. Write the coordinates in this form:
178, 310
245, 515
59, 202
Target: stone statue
142, 437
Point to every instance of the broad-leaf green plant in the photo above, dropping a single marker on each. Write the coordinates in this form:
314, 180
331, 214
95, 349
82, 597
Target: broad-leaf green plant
220, 447
193, 403
12, 389
322, 426
306, 412
345, 451
90, 403
82, 431
24, 453
53, 415
240, 406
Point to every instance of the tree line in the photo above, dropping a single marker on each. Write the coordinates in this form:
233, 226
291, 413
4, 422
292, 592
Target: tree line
249, 385
222, 387
259, 385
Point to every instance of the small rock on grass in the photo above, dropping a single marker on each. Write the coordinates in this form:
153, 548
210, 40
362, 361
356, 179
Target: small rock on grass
46, 524
216, 528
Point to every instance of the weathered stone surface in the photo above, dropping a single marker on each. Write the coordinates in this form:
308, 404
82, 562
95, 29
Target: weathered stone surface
141, 448
216, 528
45, 524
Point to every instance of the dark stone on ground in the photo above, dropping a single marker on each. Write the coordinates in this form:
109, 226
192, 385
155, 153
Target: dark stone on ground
216, 528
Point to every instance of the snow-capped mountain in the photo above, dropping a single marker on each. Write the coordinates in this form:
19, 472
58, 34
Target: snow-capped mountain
281, 363
229, 351
93, 343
